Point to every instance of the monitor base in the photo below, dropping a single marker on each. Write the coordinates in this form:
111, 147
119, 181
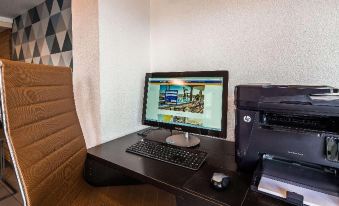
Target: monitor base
183, 140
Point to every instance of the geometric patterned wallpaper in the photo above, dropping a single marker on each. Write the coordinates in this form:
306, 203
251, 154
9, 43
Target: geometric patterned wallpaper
43, 35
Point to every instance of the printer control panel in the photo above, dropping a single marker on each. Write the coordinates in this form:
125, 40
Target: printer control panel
332, 148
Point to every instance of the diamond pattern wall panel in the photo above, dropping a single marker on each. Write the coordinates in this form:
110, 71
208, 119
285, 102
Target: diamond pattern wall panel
43, 35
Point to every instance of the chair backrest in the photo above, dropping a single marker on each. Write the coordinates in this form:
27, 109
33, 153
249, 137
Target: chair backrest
42, 130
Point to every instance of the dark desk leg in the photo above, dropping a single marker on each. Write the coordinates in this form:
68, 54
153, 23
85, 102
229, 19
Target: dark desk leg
98, 174
191, 201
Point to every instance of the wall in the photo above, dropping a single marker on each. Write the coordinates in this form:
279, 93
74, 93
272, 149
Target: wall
6, 22
86, 70
281, 42
43, 35
124, 59
5, 44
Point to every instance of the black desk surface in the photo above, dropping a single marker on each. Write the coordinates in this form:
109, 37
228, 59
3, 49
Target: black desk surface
183, 182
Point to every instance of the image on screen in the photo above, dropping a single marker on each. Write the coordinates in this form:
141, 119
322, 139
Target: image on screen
194, 102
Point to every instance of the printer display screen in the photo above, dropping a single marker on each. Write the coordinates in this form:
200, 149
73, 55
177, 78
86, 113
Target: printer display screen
304, 122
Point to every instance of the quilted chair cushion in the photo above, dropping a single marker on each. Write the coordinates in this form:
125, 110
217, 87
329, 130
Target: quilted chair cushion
47, 145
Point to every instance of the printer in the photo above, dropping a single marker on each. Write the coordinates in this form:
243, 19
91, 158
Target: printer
288, 136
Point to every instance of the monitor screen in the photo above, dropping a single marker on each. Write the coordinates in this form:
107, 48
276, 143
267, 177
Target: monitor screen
185, 102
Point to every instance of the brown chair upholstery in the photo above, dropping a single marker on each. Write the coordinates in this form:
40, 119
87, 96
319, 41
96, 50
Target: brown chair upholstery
47, 145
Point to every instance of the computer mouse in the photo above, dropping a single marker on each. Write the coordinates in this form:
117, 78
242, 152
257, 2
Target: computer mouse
220, 181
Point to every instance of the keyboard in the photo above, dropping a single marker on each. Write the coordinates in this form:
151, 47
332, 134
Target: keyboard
183, 157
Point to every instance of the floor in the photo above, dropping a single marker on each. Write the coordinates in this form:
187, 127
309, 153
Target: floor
7, 197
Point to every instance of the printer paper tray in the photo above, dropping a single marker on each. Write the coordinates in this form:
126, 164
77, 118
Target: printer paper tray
288, 181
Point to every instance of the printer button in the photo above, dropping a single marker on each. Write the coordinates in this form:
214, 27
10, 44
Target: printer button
332, 149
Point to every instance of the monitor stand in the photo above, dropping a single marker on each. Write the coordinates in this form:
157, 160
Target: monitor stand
183, 140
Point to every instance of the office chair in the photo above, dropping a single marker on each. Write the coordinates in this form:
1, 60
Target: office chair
47, 145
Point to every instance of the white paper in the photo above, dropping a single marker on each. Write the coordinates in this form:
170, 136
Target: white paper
328, 97
311, 197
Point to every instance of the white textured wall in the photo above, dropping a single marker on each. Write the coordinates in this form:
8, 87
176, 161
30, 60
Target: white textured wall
86, 70
124, 58
5, 23
281, 42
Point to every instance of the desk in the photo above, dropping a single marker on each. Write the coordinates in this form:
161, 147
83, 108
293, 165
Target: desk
190, 187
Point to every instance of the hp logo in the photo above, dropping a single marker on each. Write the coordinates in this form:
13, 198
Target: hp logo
247, 119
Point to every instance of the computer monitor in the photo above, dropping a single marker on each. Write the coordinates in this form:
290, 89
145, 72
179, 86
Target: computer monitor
192, 102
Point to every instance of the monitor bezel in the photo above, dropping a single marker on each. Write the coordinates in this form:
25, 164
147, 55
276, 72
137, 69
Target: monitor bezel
201, 131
